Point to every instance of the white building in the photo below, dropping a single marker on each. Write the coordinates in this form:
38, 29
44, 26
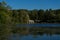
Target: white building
31, 21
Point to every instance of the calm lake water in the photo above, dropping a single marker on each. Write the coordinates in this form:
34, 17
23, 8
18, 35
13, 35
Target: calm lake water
35, 37
38, 25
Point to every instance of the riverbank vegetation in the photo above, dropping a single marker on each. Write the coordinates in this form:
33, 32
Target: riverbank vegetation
22, 16
39, 16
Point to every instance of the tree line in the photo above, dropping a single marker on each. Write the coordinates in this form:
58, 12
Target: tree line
7, 15
47, 16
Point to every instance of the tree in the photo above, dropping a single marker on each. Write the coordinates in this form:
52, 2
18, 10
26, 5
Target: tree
57, 12
23, 16
41, 14
15, 17
5, 21
33, 14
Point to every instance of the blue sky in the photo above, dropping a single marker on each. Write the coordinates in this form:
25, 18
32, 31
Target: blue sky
34, 4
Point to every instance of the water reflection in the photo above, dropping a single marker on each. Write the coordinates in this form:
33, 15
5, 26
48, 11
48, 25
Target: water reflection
34, 37
35, 32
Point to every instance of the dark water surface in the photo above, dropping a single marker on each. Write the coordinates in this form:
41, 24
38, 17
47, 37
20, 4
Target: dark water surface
34, 37
39, 25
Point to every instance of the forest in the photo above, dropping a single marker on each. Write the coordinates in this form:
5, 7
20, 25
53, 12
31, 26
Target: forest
22, 16
9, 17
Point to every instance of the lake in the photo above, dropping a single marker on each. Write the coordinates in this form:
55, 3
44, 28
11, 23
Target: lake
35, 37
38, 25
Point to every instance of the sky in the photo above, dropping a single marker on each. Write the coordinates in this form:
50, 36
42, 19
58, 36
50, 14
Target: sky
33, 4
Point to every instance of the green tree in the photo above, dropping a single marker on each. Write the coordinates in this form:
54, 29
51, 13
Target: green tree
23, 16
34, 14
5, 21
57, 12
15, 17
41, 14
